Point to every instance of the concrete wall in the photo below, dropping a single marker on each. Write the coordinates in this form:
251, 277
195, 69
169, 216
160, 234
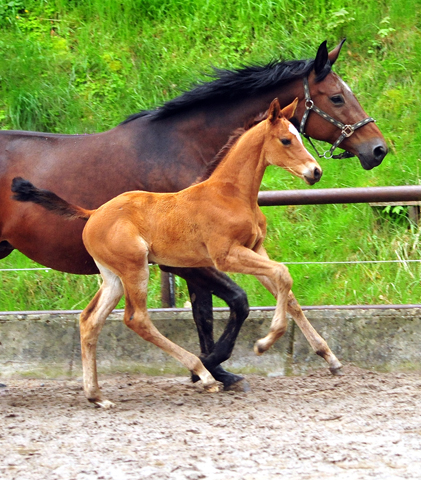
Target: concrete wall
47, 345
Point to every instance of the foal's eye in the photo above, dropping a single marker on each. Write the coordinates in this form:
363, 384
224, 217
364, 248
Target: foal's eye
285, 141
337, 99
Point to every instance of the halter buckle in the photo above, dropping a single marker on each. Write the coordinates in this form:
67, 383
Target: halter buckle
309, 104
348, 130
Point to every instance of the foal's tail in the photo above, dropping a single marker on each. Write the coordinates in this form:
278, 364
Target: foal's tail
24, 191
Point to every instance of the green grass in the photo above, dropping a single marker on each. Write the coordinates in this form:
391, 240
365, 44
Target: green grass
83, 66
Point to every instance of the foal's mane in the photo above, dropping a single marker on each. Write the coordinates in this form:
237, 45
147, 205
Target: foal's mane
230, 85
232, 140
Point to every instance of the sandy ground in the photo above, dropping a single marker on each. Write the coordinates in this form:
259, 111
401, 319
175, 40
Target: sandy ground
360, 426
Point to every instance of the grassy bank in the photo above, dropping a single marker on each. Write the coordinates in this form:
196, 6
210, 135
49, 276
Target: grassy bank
83, 66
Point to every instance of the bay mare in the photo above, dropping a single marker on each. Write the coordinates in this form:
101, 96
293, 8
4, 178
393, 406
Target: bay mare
216, 223
166, 150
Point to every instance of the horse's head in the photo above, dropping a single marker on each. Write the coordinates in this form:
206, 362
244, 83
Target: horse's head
330, 112
283, 145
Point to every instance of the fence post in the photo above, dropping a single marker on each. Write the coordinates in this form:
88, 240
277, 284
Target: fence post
167, 290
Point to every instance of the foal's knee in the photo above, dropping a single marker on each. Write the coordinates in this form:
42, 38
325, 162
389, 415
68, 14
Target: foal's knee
284, 278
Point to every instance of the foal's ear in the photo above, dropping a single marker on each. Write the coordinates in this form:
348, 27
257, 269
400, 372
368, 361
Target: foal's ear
289, 111
333, 55
274, 111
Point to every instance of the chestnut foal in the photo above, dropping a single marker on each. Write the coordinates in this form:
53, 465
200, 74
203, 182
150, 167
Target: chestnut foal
213, 223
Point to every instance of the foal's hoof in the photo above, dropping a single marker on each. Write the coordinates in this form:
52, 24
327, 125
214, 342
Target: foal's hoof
105, 404
337, 371
213, 388
259, 347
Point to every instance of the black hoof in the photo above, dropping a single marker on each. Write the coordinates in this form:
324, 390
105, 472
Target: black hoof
231, 381
240, 385
228, 379
2, 385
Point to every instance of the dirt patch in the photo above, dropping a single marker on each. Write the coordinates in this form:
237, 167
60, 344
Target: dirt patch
362, 425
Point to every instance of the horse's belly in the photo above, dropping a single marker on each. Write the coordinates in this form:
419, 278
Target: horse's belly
44, 237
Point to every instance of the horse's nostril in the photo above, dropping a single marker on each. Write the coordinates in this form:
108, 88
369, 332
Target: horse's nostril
380, 152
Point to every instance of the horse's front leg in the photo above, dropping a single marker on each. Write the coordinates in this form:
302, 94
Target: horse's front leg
202, 283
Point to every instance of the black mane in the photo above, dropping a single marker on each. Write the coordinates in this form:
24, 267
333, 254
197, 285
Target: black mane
232, 84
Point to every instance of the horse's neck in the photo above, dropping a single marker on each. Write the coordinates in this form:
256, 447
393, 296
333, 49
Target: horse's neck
221, 119
226, 117
244, 165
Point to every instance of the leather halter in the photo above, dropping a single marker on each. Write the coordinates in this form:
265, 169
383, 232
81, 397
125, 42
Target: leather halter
346, 130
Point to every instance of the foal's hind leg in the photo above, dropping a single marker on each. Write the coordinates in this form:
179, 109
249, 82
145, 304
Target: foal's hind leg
135, 276
202, 283
92, 320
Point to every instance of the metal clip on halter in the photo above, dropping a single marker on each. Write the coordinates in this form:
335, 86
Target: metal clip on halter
346, 130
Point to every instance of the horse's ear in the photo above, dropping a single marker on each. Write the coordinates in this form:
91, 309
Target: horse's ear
321, 58
333, 55
289, 111
274, 111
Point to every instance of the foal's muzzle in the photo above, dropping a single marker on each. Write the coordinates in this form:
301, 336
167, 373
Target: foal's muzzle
313, 175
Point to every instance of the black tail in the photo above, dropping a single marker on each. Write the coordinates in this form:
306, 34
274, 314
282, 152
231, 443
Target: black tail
24, 191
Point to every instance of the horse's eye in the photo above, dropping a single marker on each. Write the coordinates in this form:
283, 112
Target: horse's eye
285, 141
337, 99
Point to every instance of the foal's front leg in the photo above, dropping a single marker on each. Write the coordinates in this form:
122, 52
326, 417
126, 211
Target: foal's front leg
318, 343
275, 276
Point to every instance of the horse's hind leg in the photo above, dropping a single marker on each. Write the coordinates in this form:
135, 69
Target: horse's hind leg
202, 283
92, 320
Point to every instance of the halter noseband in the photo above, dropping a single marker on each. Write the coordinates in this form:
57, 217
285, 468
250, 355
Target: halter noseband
346, 130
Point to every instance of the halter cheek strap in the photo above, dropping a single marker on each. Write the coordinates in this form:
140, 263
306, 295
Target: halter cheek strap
346, 130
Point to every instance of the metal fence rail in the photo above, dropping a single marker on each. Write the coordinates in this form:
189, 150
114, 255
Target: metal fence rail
326, 196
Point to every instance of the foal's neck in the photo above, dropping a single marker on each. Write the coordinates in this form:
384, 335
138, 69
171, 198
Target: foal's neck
244, 165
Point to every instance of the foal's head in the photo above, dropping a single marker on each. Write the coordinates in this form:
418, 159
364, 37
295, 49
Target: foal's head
283, 145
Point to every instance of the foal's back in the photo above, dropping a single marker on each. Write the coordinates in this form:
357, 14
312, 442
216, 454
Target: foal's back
171, 226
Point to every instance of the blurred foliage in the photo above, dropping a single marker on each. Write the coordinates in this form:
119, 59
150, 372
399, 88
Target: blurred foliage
82, 66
